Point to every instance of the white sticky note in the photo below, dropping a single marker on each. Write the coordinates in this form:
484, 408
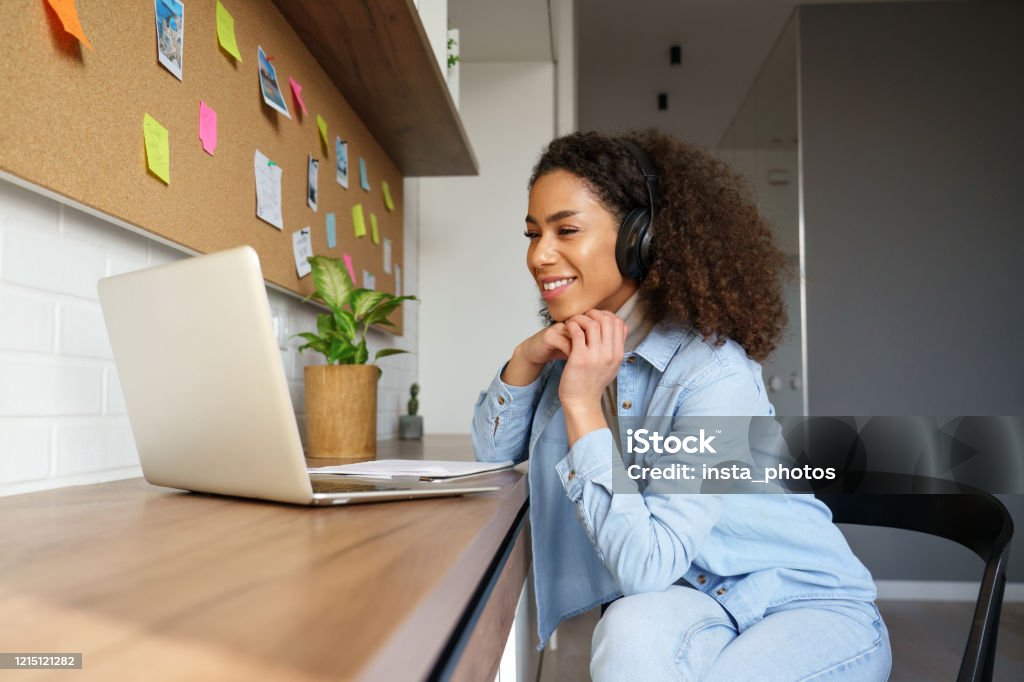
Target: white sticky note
369, 280
387, 256
268, 190
302, 244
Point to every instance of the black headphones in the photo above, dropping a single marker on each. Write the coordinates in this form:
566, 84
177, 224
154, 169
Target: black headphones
633, 246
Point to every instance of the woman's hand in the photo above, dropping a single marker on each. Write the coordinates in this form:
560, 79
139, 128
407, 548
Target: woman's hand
530, 356
550, 343
598, 344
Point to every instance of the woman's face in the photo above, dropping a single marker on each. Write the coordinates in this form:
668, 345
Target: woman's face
572, 237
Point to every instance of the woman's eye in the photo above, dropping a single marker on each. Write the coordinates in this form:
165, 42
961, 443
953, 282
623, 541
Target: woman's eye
529, 235
567, 230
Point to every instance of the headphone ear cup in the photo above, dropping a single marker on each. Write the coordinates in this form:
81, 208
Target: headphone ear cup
632, 246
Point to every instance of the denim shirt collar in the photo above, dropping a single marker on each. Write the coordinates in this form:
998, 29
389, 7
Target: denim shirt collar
661, 343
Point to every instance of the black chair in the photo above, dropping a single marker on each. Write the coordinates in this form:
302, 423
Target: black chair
966, 515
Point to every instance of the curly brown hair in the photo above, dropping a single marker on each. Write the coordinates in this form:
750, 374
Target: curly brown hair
715, 264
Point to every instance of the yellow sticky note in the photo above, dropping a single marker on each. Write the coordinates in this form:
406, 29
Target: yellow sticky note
374, 234
358, 221
322, 125
158, 154
68, 15
387, 196
226, 32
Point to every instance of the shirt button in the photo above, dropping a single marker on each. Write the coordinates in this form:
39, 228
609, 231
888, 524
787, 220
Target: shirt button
631, 359
501, 400
701, 579
572, 474
626, 404
720, 591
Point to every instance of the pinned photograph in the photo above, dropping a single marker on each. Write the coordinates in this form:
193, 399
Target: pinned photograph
311, 191
170, 34
341, 162
269, 86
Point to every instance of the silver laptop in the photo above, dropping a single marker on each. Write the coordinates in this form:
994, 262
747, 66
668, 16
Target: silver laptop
206, 391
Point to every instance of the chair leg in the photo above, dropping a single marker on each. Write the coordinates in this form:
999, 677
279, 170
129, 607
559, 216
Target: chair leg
988, 667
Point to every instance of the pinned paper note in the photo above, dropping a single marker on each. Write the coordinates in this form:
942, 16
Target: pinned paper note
398, 279
358, 221
341, 162
268, 190
226, 32
387, 256
332, 231
369, 280
68, 15
312, 175
170, 34
374, 233
364, 181
207, 128
322, 125
158, 155
302, 244
297, 91
388, 203
348, 265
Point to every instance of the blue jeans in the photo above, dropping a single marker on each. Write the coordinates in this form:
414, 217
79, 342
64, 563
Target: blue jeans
683, 634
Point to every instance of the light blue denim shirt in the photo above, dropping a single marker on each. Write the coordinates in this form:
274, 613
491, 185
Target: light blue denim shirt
747, 551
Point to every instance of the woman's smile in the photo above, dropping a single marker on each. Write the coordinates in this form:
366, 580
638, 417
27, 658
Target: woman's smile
553, 286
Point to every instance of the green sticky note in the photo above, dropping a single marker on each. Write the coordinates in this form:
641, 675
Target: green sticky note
358, 221
158, 154
387, 196
226, 32
322, 125
374, 234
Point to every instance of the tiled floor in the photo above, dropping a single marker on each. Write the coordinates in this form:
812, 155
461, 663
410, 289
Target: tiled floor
927, 641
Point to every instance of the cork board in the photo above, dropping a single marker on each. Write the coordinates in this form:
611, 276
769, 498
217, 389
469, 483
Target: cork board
72, 121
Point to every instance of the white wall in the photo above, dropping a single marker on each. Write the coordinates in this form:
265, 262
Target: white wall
478, 298
62, 417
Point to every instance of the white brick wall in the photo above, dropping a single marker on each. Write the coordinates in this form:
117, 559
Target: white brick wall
62, 415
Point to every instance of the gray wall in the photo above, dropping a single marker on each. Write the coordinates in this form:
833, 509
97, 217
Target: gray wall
913, 155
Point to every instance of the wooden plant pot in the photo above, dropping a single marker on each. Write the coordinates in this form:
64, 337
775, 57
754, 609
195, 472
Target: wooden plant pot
341, 412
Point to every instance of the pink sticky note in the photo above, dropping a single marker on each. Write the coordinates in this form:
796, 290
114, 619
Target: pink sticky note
297, 90
348, 264
207, 128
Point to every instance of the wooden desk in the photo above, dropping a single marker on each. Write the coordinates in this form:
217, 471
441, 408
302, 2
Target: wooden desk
151, 583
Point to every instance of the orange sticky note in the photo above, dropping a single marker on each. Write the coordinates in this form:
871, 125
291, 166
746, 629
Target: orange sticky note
68, 15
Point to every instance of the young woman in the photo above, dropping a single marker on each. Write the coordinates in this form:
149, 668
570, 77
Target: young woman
661, 291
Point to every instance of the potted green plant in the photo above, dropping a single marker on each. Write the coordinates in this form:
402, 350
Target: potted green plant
410, 426
341, 395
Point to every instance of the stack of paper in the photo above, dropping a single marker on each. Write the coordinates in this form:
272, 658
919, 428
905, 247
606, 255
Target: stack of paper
420, 469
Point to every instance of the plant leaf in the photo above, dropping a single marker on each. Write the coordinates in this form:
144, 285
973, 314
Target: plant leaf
325, 324
345, 323
384, 352
366, 301
332, 281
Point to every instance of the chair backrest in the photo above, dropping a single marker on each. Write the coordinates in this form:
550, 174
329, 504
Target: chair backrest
966, 515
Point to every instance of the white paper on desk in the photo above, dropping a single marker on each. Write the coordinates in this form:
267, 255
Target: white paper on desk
427, 468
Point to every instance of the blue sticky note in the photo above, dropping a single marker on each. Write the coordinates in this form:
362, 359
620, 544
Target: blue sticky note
364, 182
332, 234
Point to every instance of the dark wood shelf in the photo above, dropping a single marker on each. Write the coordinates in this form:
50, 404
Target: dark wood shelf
378, 55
